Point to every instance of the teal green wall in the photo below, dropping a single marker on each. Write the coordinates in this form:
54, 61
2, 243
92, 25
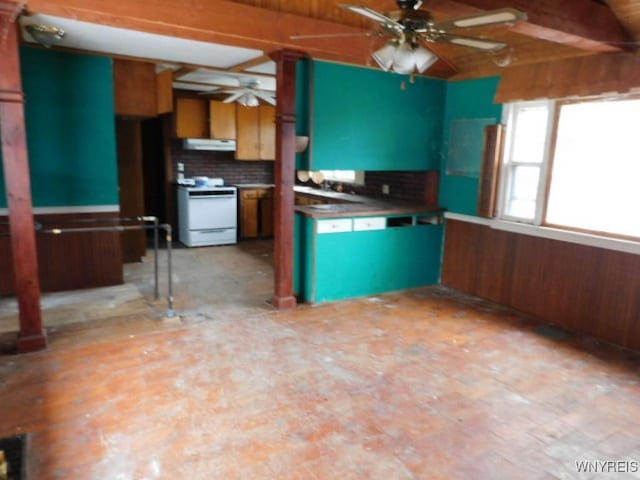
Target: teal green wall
70, 121
466, 100
367, 119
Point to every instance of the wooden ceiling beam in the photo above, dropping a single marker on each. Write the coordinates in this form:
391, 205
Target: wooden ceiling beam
218, 21
254, 62
183, 72
583, 24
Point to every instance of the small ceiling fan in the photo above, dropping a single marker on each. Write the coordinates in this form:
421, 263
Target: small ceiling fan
412, 28
248, 94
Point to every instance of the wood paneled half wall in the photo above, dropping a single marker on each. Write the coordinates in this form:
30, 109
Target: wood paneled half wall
69, 261
580, 288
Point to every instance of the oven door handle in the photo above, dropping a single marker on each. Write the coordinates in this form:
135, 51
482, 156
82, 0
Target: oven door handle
212, 197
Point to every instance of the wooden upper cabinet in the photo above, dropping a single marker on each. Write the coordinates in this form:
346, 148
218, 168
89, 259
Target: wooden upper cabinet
192, 118
222, 120
267, 115
135, 88
248, 133
164, 85
256, 133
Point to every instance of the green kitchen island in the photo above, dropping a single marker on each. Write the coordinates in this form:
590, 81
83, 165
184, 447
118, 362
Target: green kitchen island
365, 248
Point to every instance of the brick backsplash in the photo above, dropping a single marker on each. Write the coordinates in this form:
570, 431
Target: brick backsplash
410, 186
402, 185
220, 164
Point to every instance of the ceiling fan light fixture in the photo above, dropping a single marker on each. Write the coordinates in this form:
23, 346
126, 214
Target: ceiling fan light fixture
248, 100
424, 59
404, 58
384, 56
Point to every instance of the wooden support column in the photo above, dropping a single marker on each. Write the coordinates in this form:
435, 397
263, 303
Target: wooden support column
16, 173
284, 173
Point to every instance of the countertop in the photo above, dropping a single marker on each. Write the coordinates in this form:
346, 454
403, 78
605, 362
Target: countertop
348, 205
254, 185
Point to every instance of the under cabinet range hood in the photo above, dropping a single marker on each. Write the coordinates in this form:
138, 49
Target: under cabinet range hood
209, 144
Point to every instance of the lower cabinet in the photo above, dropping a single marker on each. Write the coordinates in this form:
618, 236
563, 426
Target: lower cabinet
338, 258
256, 213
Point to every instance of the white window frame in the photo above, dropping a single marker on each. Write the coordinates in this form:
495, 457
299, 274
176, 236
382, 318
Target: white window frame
509, 115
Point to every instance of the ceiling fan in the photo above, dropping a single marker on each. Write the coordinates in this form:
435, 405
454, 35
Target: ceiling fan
412, 28
247, 93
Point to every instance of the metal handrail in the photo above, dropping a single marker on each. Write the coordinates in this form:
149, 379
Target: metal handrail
40, 229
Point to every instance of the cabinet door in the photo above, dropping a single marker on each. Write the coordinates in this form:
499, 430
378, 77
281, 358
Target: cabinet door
191, 118
266, 213
222, 120
248, 133
267, 114
249, 214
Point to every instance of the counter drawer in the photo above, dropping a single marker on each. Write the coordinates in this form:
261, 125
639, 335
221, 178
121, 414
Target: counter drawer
334, 225
369, 223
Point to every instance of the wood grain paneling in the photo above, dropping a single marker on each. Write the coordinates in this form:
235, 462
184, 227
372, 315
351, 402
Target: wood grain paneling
491, 156
135, 88
555, 30
248, 132
69, 261
585, 76
131, 183
164, 86
581, 288
222, 120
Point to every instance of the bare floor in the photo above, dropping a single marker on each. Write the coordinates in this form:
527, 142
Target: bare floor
423, 384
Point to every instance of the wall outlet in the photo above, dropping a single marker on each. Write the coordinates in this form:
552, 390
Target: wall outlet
180, 167
385, 189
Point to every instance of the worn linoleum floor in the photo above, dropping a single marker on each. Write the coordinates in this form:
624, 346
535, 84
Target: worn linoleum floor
423, 384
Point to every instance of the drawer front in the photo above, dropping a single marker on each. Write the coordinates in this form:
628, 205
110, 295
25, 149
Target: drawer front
369, 223
249, 194
335, 225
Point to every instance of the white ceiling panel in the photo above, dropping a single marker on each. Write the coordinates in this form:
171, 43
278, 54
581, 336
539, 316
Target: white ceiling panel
117, 41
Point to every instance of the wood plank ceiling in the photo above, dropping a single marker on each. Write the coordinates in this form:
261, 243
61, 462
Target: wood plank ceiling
555, 30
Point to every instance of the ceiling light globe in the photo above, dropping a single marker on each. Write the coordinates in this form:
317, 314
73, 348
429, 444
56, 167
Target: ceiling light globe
424, 59
404, 59
384, 56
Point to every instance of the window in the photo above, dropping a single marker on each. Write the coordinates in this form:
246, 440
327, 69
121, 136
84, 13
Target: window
344, 176
573, 165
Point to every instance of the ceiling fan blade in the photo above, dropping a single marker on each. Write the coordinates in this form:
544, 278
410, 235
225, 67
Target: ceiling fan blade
234, 96
387, 22
473, 42
492, 17
332, 35
266, 97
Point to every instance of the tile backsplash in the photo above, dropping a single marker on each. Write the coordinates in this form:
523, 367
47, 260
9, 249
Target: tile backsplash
220, 164
411, 186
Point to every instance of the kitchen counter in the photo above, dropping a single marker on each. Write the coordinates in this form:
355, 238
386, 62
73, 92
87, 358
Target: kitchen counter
348, 205
253, 185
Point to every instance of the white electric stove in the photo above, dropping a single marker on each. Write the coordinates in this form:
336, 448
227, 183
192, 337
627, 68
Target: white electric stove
207, 215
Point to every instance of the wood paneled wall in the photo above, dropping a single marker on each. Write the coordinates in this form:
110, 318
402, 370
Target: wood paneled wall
583, 289
135, 88
68, 261
584, 76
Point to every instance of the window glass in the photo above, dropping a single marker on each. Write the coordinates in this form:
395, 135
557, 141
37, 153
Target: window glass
596, 168
592, 175
524, 192
530, 134
346, 176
